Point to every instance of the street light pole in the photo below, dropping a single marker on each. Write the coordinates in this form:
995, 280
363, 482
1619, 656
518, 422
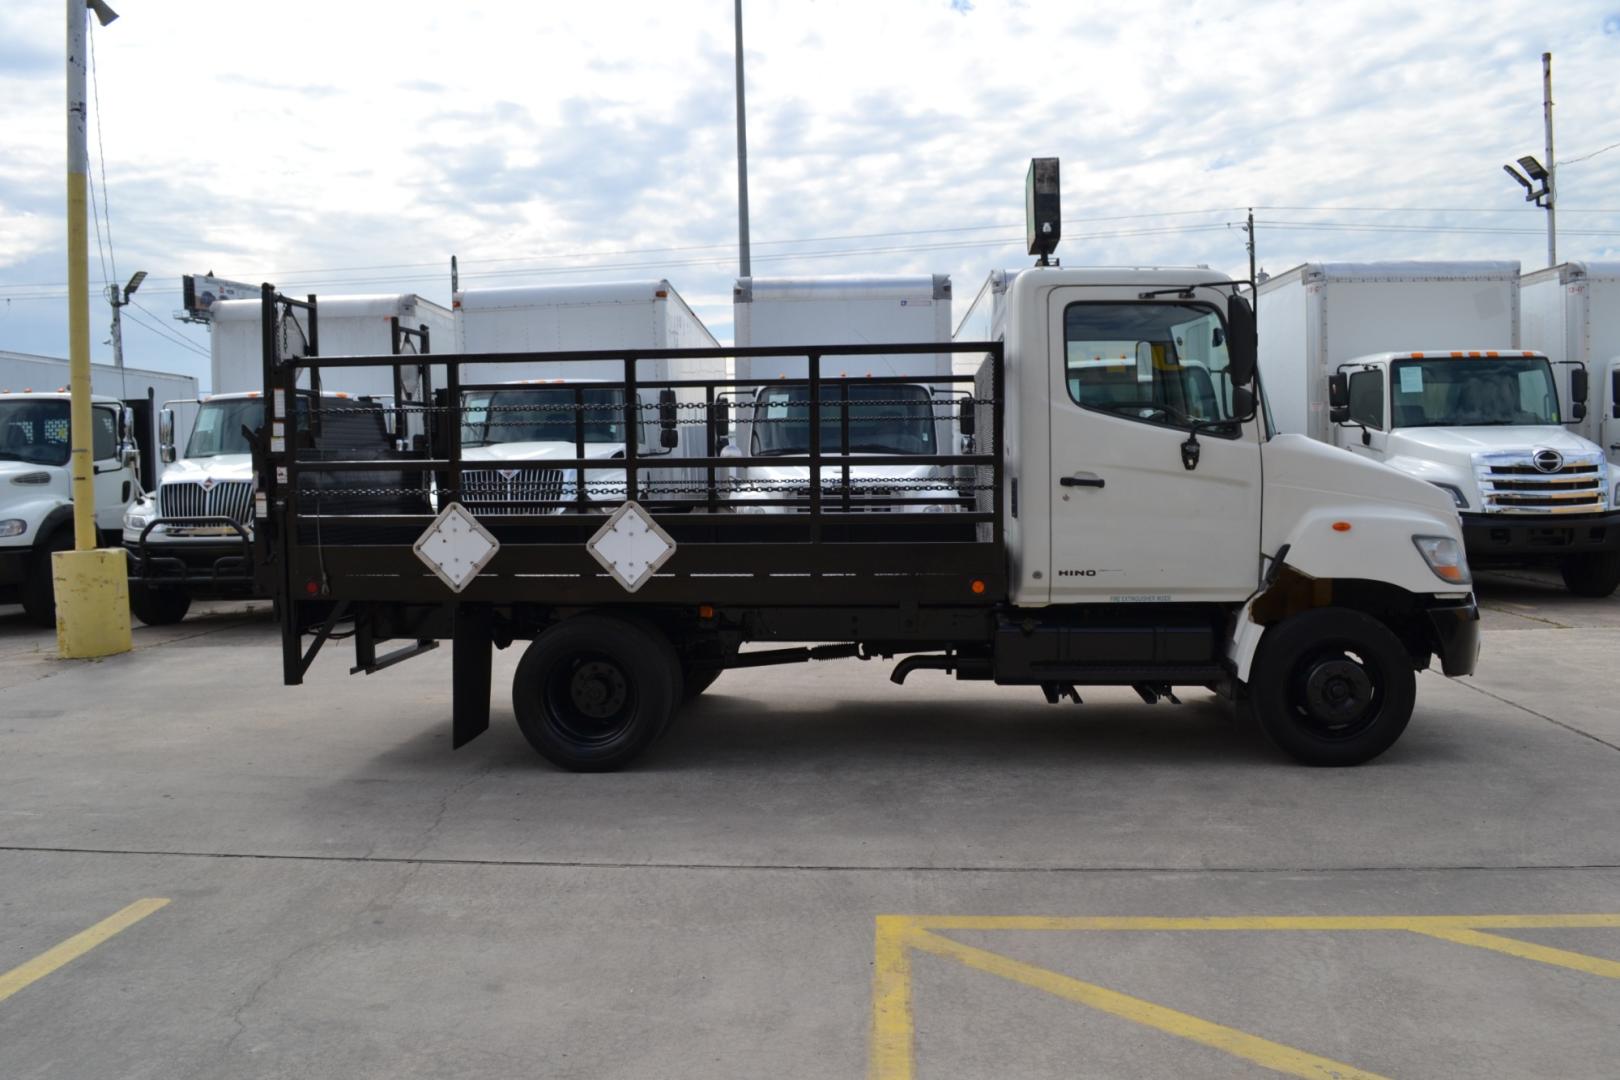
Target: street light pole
1552, 162
743, 261
118, 298
90, 587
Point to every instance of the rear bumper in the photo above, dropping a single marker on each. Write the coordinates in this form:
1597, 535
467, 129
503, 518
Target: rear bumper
1488, 536
1456, 635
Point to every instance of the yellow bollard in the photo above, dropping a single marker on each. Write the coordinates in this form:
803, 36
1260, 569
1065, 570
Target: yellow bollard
92, 602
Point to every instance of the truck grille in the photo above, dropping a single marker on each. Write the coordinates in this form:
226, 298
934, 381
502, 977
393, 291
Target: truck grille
226, 498
511, 491
1542, 482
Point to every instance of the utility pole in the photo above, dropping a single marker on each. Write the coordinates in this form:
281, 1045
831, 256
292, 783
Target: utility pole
118, 299
743, 261
1249, 228
1552, 162
91, 587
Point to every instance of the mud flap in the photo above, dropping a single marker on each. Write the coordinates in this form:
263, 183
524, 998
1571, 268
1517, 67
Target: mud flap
470, 654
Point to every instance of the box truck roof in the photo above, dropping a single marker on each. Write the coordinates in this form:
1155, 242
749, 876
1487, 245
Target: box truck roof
845, 287
380, 305
1401, 271
528, 296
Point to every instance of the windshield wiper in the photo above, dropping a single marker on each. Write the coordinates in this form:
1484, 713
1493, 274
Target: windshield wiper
782, 451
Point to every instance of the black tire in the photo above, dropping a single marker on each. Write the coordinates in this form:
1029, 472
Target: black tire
1332, 687
39, 588
159, 607
1596, 575
594, 691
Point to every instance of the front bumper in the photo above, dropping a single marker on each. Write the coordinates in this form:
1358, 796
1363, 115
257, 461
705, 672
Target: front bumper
221, 567
1455, 626
1488, 536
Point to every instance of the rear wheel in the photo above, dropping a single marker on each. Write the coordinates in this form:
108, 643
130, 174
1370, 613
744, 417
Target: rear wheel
594, 691
159, 607
1596, 575
1332, 687
39, 590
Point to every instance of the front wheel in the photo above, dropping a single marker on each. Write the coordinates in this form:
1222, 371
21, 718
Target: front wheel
594, 691
1332, 687
1595, 575
39, 588
159, 607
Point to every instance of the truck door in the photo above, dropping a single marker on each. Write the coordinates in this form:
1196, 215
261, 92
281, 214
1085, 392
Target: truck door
1608, 398
113, 483
1130, 520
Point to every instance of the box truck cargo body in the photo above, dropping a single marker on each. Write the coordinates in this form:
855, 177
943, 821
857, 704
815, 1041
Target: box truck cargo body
348, 326
883, 417
512, 425
1419, 365
1571, 312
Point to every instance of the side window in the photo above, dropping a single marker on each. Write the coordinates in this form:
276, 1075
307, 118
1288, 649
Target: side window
104, 434
1367, 398
1158, 363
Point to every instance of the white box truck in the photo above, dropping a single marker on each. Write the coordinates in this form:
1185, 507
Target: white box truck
211, 483
898, 412
514, 427
1571, 314
1418, 365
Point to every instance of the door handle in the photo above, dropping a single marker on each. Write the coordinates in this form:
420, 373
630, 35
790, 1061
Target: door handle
1084, 479
1615, 446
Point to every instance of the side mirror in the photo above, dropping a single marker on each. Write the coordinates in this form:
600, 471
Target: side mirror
1577, 393
1242, 341
166, 435
722, 416
1338, 397
1243, 402
1614, 393
669, 436
129, 453
966, 419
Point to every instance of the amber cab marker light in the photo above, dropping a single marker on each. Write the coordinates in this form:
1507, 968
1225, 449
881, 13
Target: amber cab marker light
1341, 526
977, 587
705, 611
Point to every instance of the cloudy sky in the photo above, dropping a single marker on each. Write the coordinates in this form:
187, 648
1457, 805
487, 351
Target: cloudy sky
343, 147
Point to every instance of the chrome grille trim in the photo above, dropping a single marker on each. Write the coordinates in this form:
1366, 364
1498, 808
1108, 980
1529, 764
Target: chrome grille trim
227, 498
487, 491
1512, 483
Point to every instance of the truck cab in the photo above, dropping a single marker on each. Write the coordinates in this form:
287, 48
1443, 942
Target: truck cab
36, 498
192, 538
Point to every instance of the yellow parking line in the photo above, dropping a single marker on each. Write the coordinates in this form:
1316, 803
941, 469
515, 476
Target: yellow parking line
1419, 923
75, 946
1263, 1052
891, 1000
1525, 950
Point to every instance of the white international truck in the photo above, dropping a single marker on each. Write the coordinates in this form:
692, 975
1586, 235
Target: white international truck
893, 407
208, 479
1419, 365
1131, 531
518, 419
36, 481
1571, 313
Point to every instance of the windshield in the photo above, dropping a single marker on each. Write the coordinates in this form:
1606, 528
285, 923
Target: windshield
1473, 392
36, 431
218, 429
883, 419
535, 414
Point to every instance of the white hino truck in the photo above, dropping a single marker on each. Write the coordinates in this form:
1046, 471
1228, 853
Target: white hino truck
1571, 314
1134, 528
191, 537
518, 417
1419, 365
880, 418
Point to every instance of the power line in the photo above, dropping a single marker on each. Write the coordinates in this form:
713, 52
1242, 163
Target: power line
165, 333
101, 153
1588, 157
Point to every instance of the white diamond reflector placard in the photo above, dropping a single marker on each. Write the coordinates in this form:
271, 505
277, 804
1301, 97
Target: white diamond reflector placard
631, 546
456, 547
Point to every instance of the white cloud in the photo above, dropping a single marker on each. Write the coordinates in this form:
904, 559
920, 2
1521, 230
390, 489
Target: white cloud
520, 136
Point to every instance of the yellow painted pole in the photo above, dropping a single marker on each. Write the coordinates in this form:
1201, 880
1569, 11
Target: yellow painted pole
91, 586
78, 162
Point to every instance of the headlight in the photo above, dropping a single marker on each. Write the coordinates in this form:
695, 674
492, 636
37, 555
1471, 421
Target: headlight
13, 527
1445, 557
135, 521
1455, 492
